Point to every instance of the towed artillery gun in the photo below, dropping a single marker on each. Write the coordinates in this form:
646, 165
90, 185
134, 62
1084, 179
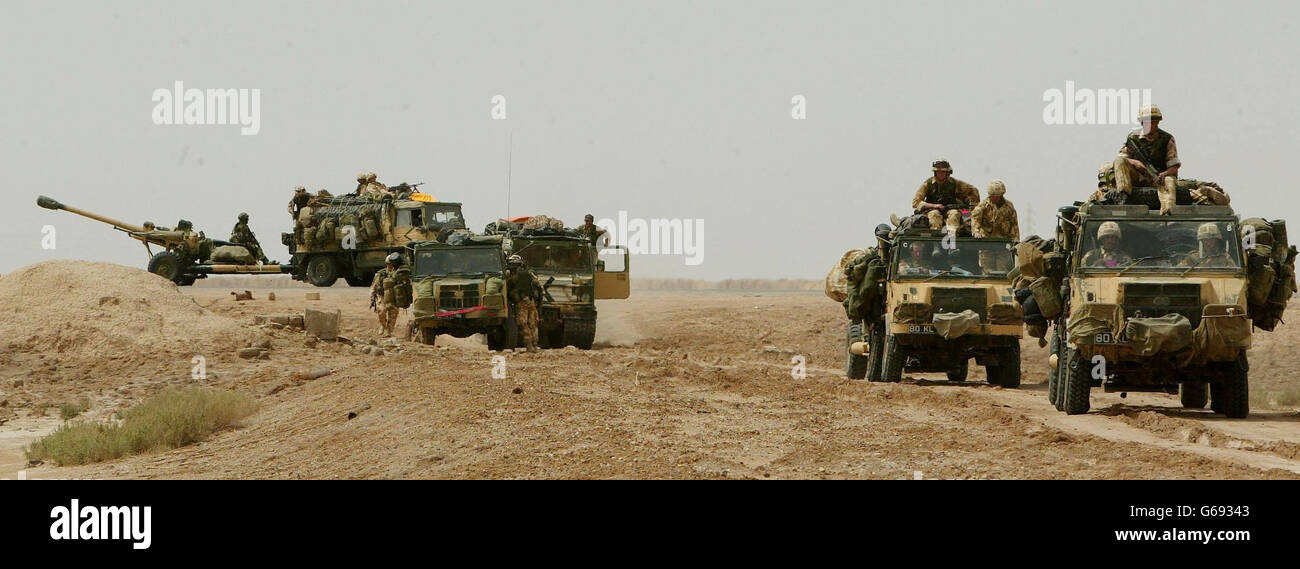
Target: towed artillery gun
187, 254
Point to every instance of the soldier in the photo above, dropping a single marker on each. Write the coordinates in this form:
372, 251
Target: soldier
1149, 157
242, 235
373, 185
1105, 182
299, 201
917, 261
942, 197
361, 184
598, 236
384, 292
1108, 253
1211, 252
995, 216
524, 293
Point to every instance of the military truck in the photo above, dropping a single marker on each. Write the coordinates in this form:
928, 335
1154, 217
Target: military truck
945, 300
350, 236
1164, 303
460, 290
573, 278
187, 254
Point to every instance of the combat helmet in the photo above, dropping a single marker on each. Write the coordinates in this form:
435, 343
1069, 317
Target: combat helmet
997, 188
243, 217
1109, 229
394, 259
1149, 113
941, 165
1208, 230
514, 260
1106, 174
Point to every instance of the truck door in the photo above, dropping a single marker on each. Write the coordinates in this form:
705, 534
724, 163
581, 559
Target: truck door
615, 282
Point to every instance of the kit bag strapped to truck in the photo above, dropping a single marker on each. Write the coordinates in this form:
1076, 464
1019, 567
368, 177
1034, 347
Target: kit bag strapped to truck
1221, 333
232, 254
837, 280
402, 288
1091, 319
863, 277
1149, 336
1270, 265
950, 325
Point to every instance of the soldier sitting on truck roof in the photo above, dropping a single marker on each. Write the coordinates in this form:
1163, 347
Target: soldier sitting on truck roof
942, 197
299, 201
242, 235
1108, 253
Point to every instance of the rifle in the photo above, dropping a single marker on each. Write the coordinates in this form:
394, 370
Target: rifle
545, 293
1133, 148
402, 187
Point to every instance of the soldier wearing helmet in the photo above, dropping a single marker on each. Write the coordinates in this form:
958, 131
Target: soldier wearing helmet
390, 291
1148, 156
361, 184
524, 293
242, 235
370, 187
1107, 253
941, 198
995, 216
1210, 250
1105, 182
298, 201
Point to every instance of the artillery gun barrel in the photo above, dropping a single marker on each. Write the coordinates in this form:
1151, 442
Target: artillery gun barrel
51, 203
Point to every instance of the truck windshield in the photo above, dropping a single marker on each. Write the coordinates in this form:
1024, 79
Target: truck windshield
443, 216
557, 256
441, 261
921, 259
1183, 245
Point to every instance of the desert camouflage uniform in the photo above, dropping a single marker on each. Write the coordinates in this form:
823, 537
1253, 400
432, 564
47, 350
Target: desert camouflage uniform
995, 220
948, 192
592, 233
383, 293
523, 289
1159, 146
242, 235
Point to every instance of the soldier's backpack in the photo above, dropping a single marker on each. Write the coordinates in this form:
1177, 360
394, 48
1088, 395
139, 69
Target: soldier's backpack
232, 254
402, 288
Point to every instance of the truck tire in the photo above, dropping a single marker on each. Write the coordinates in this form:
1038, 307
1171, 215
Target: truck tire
1194, 394
428, 336
579, 333
959, 371
1216, 398
1053, 374
876, 356
1007, 373
892, 371
168, 265
363, 280
855, 366
322, 270
1236, 389
1077, 387
505, 337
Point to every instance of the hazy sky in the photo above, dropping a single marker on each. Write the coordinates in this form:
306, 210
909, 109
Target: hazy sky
662, 109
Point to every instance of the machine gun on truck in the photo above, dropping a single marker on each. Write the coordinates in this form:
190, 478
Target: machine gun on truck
187, 254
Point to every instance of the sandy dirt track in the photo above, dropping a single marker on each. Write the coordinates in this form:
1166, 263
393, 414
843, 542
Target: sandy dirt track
681, 385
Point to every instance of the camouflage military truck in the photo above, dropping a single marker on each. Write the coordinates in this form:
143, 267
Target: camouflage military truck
186, 254
460, 290
942, 301
350, 236
1164, 303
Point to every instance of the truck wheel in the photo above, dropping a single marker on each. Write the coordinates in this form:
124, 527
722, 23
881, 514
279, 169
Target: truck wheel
855, 366
322, 270
894, 360
363, 280
1194, 394
505, 337
1216, 398
1008, 369
428, 336
1054, 374
959, 371
876, 357
168, 265
1236, 389
1078, 384
580, 333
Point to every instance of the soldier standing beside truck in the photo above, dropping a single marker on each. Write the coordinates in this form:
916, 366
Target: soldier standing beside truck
524, 292
390, 292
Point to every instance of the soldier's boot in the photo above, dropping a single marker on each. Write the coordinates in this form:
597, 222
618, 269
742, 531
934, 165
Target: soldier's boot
1167, 192
893, 218
953, 221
